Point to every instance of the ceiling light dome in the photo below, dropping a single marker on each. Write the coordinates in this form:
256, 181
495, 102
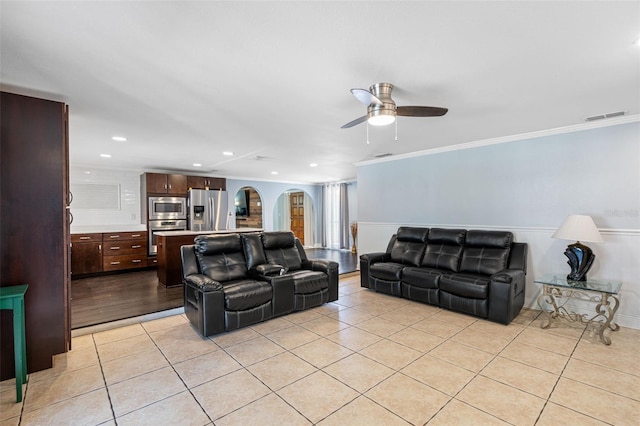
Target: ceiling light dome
381, 117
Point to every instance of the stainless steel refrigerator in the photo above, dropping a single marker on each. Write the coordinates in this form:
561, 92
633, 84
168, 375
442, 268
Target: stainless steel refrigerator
207, 210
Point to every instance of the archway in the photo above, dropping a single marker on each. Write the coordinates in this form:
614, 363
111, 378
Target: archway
294, 211
248, 207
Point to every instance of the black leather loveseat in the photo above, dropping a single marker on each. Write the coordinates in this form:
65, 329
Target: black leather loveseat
235, 280
481, 273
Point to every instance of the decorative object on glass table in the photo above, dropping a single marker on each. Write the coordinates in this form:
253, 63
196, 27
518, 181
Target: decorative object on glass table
579, 228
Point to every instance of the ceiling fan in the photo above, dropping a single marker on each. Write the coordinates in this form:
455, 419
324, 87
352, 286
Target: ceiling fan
382, 110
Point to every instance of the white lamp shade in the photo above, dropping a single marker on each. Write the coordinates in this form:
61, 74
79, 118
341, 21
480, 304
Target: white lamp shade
577, 227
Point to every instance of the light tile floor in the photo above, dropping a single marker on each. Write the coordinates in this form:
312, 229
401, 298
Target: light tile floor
366, 359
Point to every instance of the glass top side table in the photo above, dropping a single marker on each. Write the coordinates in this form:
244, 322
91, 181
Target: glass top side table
557, 289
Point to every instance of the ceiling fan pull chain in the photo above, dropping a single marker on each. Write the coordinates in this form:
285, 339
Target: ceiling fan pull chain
396, 128
367, 133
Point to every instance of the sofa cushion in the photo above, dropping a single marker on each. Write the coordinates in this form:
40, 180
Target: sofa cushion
444, 249
306, 282
253, 250
240, 295
386, 271
421, 277
409, 245
486, 252
215, 244
465, 285
280, 249
221, 257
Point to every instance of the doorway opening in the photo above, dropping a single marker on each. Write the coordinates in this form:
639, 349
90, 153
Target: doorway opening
294, 211
248, 205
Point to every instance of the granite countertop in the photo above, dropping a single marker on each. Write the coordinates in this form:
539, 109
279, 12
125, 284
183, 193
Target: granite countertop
96, 229
186, 233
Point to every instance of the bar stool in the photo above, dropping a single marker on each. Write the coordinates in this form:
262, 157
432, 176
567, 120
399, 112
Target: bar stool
12, 297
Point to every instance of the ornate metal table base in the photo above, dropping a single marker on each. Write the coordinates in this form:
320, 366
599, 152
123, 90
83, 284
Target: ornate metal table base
607, 305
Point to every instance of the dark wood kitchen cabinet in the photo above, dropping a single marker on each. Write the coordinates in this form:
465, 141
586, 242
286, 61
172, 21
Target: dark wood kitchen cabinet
206, 182
107, 252
124, 250
34, 240
160, 183
86, 254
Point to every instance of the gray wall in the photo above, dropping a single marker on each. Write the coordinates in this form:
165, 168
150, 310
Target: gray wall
535, 182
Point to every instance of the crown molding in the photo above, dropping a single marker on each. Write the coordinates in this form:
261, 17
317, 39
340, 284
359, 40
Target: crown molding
506, 139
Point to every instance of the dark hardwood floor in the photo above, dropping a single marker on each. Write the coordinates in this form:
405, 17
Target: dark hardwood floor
101, 299
348, 261
96, 300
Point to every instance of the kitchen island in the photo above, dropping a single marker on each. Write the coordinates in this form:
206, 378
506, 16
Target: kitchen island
169, 243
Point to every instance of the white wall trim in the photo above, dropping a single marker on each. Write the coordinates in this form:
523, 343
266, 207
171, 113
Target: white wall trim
511, 138
606, 231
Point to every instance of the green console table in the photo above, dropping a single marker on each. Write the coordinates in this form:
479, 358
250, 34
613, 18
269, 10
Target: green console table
12, 297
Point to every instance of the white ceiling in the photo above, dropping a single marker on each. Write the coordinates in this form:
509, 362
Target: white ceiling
185, 81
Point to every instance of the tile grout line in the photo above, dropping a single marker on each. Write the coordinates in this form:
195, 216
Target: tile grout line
275, 392
547, 400
318, 369
476, 374
24, 400
177, 374
104, 379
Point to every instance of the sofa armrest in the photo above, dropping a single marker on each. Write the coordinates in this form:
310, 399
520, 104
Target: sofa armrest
321, 265
204, 304
202, 283
507, 276
330, 268
506, 295
269, 270
366, 260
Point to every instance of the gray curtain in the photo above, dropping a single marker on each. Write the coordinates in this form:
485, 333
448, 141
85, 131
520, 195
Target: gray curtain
325, 216
335, 216
344, 217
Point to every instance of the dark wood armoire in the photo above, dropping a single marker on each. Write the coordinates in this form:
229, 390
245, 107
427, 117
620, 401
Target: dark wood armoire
34, 221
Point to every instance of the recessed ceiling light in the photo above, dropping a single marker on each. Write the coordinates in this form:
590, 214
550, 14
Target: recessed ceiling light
227, 153
119, 138
274, 173
105, 155
197, 165
313, 165
87, 172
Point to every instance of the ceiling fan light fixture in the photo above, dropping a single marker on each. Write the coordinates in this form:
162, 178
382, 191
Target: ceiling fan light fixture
381, 117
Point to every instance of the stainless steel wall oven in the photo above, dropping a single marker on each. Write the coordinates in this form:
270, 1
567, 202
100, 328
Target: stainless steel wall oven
162, 225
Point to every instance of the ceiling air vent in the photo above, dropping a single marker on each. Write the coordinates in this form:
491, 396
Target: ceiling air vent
386, 154
603, 116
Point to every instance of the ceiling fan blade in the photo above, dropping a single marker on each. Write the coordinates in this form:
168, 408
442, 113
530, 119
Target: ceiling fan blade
355, 122
420, 111
366, 97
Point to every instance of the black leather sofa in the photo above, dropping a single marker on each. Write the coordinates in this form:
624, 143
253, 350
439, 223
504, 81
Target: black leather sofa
235, 280
476, 272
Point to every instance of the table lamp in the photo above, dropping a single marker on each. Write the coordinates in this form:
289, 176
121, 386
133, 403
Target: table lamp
579, 228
